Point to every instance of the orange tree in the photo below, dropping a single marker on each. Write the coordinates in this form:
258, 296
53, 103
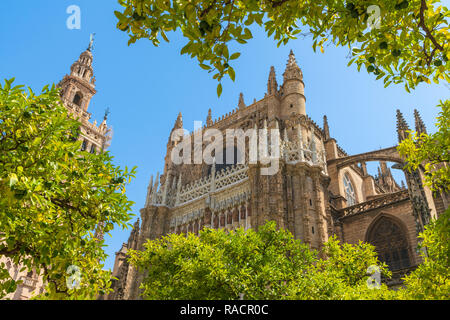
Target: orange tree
54, 198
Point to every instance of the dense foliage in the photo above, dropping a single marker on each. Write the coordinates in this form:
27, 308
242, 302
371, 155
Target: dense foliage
402, 41
263, 264
54, 199
431, 280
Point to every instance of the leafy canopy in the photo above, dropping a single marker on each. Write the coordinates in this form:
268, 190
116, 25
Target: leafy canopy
54, 199
431, 152
431, 280
263, 264
409, 45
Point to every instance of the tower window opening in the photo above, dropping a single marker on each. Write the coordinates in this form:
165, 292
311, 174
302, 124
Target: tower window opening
77, 99
93, 150
312, 230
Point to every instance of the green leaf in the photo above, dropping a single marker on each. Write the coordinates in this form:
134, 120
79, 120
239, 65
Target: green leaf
235, 55
231, 73
204, 66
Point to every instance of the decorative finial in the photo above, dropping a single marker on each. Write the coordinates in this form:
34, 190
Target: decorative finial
402, 126
326, 128
241, 103
91, 42
292, 69
420, 125
107, 112
272, 85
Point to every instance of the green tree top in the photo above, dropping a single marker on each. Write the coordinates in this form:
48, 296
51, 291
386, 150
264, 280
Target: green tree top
409, 45
264, 264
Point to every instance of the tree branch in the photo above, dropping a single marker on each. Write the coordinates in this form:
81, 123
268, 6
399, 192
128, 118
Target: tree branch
429, 35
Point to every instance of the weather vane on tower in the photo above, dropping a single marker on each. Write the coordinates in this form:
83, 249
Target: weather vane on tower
107, 112
91, 42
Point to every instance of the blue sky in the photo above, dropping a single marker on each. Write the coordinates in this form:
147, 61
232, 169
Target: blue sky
146, 87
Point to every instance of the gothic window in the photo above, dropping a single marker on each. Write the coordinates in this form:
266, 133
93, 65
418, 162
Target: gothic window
92, 149
84, 145
390, 244
77, 99
223, 158
349, 191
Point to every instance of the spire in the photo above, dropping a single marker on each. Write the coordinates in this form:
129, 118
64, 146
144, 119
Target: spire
326, 128
209, 121
292, 69
241, 101
420, 126
272, 85
402, 126
179, 122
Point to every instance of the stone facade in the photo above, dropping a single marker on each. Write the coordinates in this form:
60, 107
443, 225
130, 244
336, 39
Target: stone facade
77, 90
319, 190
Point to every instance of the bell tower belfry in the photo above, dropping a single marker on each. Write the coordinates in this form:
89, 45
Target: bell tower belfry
77, 90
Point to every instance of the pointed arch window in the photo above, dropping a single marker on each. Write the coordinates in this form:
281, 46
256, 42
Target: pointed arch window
84, 145
390, 244
238, 157
349, 191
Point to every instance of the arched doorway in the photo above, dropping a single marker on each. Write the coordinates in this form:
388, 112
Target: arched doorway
390, 243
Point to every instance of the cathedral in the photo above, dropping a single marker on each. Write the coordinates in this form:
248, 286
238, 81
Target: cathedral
318, 190
77, 90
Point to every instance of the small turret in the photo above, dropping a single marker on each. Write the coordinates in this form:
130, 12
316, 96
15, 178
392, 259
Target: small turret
293, 90
326, 128
241, 103
179, 122
209, 121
